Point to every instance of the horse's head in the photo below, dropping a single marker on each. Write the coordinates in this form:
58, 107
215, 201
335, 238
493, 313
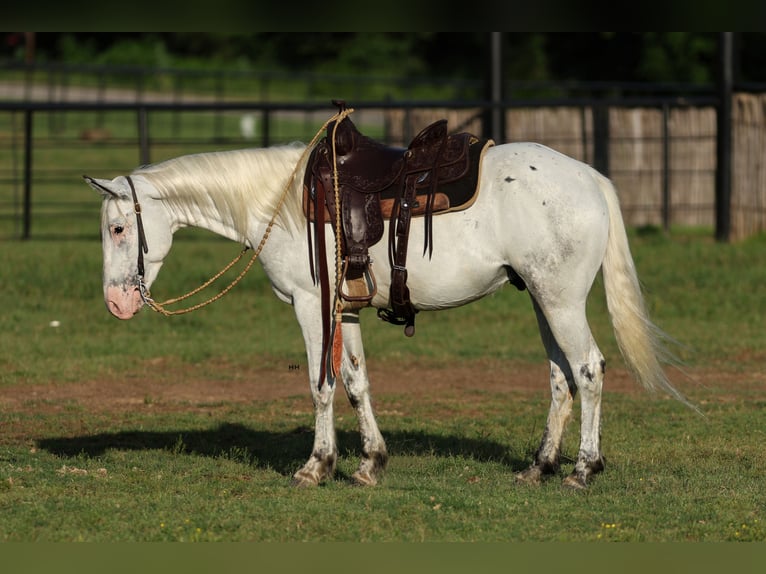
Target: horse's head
136, 236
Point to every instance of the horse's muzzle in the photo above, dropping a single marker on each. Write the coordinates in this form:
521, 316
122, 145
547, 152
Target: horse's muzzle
123, 304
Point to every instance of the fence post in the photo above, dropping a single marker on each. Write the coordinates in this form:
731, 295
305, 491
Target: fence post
143, 137
723, 139
496, 129
27, 218
601, 138
265, 128
665, 167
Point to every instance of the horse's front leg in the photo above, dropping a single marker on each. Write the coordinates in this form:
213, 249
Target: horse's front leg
324, 454
357, 385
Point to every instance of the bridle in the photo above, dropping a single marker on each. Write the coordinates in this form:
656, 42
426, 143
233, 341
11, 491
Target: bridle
143, 249
143, 246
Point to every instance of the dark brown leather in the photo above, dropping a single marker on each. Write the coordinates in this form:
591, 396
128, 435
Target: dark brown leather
437, 172
366, 166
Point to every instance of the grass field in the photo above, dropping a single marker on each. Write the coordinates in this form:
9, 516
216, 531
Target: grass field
188, 429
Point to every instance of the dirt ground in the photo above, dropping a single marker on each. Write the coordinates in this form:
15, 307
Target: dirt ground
166, 387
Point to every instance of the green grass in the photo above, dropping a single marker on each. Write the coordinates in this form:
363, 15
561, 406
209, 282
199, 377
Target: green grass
221, 471
139, 477
706, 295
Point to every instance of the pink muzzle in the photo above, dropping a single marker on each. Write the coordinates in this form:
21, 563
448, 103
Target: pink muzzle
123, 304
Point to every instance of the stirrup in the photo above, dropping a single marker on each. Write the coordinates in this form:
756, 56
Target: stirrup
368, 277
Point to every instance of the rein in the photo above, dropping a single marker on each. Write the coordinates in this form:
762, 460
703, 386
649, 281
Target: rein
143, 246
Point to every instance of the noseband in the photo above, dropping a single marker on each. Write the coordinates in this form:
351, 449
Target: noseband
143, 246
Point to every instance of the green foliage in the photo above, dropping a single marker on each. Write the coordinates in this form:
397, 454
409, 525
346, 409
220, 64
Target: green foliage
678, 57
529, 56
147, 51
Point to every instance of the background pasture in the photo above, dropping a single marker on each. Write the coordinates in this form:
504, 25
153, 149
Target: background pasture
189, 428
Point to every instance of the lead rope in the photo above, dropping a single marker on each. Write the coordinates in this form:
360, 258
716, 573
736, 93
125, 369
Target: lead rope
160, 307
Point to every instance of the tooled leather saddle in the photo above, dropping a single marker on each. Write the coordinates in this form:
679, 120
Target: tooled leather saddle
438, 172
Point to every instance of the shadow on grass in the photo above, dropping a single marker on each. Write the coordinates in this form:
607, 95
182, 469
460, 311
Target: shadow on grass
283, 452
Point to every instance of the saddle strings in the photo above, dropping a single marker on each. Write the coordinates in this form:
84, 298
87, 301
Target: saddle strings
160, 307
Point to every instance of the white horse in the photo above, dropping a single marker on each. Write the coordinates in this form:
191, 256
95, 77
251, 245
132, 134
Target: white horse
540, 217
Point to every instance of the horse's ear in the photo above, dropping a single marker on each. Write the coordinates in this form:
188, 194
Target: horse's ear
106, 187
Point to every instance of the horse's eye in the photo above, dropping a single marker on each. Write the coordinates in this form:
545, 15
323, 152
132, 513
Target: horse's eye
118, 229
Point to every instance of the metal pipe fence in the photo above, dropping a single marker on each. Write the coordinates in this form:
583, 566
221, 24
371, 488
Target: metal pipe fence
114, 137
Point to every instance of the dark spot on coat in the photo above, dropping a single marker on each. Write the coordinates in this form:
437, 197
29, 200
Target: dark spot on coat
509, 179
533, 168
585, 372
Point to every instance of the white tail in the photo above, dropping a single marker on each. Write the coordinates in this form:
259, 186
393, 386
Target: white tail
639, 340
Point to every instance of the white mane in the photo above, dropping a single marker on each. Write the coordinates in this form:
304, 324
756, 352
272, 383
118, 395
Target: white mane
233, 184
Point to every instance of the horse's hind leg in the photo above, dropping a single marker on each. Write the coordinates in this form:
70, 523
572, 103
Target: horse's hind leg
582, 363
563, 390
357, 385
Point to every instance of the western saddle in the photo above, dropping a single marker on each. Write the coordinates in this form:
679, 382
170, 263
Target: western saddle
436, 173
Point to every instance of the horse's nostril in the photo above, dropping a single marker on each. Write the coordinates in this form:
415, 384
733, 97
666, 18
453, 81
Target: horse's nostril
123, 305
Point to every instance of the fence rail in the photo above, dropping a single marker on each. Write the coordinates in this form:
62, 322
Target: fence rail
659, 151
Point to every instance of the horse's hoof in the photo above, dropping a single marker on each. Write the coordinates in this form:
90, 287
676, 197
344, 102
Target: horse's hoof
371, 469
531, 476
361, 478
574, 482
304, 480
